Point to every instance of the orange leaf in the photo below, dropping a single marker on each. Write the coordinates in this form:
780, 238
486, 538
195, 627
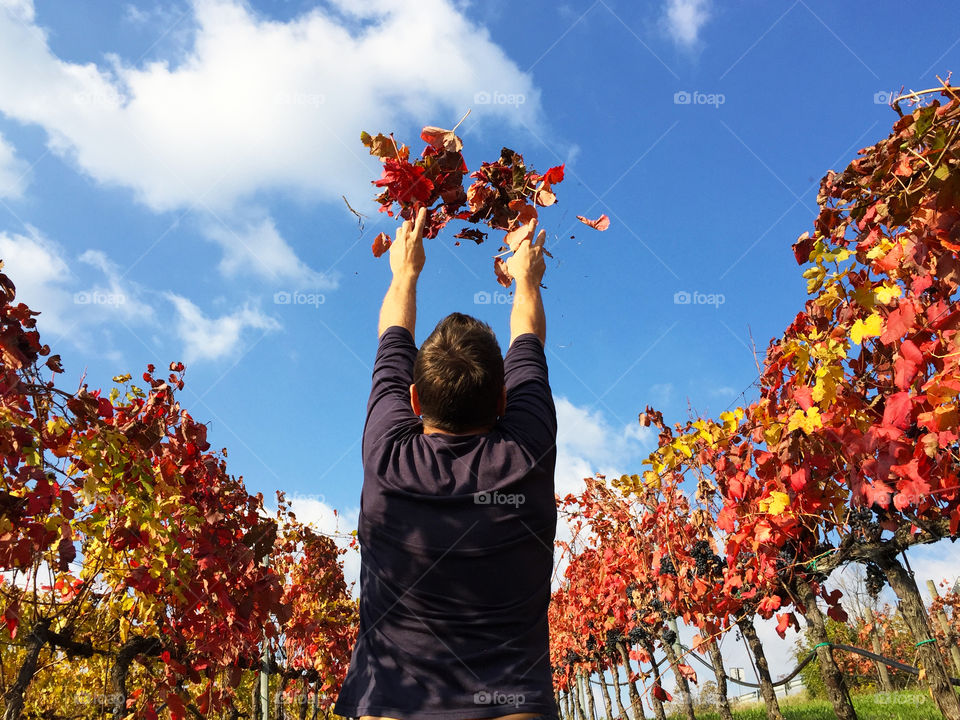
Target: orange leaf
601, 223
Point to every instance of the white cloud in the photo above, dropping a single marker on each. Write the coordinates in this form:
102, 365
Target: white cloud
215, 338
119, 295
588, 443
256, 104
316, 512
79, 309
40, 273
11, 172
685, 18
256, 248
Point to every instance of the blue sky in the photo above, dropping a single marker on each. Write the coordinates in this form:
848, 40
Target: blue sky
170, 172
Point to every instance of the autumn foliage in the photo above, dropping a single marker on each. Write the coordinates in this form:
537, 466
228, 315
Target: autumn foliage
849, 454
135, 560
505, 194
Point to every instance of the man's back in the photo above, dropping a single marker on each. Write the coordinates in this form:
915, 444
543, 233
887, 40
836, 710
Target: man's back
456, 533
457, 538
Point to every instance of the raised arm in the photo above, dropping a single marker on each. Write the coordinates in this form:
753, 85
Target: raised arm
406, 261
526, 266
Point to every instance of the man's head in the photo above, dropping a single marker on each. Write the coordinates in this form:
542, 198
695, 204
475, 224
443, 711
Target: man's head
458, 376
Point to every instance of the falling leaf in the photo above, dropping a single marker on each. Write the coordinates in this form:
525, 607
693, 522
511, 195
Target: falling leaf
441, 139
554, 175
383, 146
500, 268
601, 223
478, 236
518, 231
53, 362
381, 243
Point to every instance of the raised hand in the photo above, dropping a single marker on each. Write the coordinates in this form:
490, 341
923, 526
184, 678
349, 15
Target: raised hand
527, 265
406, 252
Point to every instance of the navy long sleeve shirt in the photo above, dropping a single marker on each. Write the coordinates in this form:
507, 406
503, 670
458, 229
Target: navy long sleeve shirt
456, 540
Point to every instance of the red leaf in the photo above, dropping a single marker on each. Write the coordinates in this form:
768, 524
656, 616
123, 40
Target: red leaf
105, 408
518, 229
798, 480
660, 694
907, 366
913, 487
835, 612
785, 620
899, 322
877, 493
769, 604
406, 182
601, 223
896, 412
554, 175
500, 268
441, 139
381, 243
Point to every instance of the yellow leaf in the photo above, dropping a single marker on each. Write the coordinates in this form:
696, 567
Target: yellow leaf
771, 434
807, 421
776, 503
872, 327
887, 292
651, 479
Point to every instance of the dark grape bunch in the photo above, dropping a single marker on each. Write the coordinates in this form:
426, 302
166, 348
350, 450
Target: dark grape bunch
614, 638
669, 636
708, 564
637, 636
666, 567
864, 519
875, 580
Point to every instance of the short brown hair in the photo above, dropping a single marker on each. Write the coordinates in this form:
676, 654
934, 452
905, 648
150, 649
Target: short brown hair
459, 375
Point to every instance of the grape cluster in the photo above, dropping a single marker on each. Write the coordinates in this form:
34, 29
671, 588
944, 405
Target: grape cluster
572, 657
637, 636
708, 564
864, 519
591, 643
669, 636
614, 637
875, 580
666, 567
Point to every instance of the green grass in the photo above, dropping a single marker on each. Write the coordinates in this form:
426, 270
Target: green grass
900, 705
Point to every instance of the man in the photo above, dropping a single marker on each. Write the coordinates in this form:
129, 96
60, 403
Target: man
457, 512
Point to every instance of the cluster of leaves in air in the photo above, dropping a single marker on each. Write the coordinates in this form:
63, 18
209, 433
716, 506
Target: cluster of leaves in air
505, 194
127, 544
850, 452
